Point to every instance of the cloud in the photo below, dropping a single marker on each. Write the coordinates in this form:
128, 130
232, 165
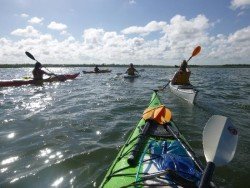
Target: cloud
57, 26
175, 41
242, 4
241, 13
242, 35
180, 27
93, 36
132, 2
29, 31
24, 15
36, 20
65, 33
147, 29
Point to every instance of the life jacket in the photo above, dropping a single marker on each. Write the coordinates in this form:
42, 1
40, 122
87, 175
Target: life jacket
38, 74
182, 78
131, 71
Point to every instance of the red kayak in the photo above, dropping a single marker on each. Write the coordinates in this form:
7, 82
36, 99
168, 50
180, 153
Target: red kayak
20, 82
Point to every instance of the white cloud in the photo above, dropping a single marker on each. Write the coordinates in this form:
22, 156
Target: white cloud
24, 15
65, 33
242, 35
241, 13
57, 26
36, 20
93, 37
29, 31
233, 48
150, 27
175, 41
242, 4
132, 2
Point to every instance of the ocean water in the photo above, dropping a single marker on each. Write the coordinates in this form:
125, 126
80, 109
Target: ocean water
67, 134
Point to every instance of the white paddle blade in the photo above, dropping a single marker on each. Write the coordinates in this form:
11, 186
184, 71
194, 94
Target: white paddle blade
220, 139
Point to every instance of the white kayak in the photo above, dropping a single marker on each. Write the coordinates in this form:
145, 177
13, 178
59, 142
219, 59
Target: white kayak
131, 76
186, 92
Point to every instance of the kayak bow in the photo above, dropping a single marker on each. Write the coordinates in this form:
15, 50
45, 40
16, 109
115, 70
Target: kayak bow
155, 154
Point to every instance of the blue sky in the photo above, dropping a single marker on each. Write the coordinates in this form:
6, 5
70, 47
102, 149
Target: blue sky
124, 31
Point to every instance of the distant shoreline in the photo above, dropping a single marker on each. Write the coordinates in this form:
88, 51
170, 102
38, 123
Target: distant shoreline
115, 65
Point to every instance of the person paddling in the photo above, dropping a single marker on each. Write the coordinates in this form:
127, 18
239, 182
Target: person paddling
38, 72
96, 69
131, 70
181, 77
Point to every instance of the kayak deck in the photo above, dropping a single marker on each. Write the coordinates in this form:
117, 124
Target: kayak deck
158, 158
131, 76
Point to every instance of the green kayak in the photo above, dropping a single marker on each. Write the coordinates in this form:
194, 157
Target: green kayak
155, 154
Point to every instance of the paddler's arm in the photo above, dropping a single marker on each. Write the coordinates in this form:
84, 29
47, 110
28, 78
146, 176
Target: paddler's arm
49, 74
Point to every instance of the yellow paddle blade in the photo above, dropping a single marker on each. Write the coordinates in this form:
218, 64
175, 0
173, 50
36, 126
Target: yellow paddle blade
160, 114
148, 113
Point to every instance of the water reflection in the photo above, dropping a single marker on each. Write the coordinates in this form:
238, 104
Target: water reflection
9, 160
72, 180
57, 182
37, 102
14, 180
11, 135
3, 170
45, 152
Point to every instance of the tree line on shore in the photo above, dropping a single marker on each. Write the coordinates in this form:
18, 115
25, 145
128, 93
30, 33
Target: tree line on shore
123, 65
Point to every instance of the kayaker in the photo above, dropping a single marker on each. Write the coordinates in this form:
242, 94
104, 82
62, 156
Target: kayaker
131, 70
96, 69
38, 72
181, 77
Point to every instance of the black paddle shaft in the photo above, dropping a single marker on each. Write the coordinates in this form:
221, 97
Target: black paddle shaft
136, 151
186, 147
207, 175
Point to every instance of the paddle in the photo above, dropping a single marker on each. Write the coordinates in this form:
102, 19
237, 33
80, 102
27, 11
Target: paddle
61, 78
136, 151
163, 87
220, 139
185, 146
196, 51
32, 57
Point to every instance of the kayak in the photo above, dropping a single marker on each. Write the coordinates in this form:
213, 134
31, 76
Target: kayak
131, 76
20, 82
155, 154
100, 71
186, 92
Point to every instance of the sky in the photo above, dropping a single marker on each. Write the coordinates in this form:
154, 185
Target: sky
151, 32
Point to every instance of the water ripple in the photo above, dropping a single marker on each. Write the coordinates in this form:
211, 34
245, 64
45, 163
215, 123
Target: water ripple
67, 134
